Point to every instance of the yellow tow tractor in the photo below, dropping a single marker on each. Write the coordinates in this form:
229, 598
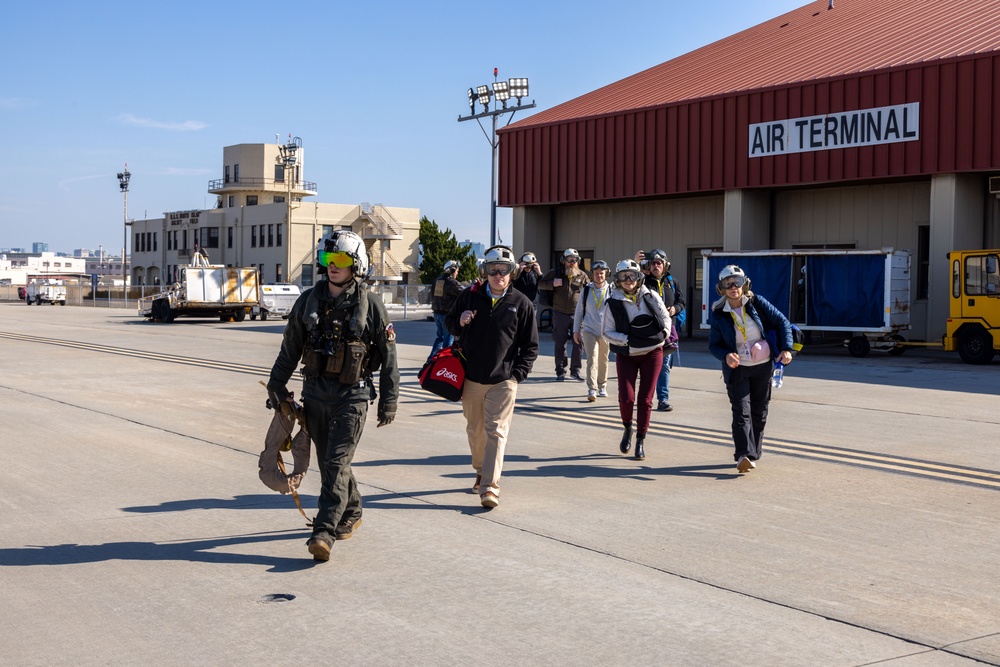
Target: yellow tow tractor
973, 327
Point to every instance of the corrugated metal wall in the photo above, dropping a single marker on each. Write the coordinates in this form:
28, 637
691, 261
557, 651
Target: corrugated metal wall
702, 145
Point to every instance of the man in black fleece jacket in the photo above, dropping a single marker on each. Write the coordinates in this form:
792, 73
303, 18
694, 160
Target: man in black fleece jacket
495, 327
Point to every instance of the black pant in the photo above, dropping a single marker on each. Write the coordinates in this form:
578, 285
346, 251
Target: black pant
749, 393
335, 429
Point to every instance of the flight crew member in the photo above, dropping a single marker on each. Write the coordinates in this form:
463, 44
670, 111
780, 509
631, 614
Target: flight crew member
342, 333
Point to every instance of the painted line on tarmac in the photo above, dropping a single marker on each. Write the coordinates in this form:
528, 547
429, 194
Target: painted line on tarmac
141, 354
860, 458
872, 460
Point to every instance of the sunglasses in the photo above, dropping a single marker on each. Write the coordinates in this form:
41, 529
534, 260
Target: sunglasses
735, 282
339, 259
498, 269
627, 276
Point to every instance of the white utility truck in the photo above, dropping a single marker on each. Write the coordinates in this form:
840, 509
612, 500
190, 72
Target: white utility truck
275, 301
49, 290
205, 290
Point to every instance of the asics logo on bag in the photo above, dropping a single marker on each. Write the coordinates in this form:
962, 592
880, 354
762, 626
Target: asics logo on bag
444, 372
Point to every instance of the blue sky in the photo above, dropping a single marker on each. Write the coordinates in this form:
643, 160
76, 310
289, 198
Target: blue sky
374, 89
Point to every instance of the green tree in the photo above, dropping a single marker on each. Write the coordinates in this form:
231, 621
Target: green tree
437, 248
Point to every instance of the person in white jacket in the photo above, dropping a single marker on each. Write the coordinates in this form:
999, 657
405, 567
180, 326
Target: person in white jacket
636, 325
588, 330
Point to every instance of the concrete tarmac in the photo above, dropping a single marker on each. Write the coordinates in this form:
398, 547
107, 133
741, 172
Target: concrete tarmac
134, 530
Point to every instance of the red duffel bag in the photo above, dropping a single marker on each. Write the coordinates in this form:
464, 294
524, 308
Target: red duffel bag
444, 374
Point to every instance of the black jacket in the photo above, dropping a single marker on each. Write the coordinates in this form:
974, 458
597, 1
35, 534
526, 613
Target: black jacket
501, 342
671, 297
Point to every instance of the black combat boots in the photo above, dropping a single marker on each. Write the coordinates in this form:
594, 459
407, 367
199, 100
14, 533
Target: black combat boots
626, 443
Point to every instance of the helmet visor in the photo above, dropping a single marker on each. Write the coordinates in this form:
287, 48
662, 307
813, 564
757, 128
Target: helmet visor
498, 268
733, 282
626, 276
339, 259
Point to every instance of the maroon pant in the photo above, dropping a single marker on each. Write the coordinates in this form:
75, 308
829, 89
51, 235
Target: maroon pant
647, 367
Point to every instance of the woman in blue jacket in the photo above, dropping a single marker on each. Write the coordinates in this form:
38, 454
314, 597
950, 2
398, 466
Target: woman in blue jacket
741, 321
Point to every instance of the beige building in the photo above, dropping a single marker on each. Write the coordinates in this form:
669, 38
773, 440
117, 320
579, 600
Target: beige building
261, 221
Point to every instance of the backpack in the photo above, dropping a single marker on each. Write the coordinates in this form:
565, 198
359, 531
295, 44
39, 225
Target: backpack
681, 317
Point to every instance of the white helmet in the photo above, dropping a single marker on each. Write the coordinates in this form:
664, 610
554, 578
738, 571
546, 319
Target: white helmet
529, 258
499, 254
570, 253
732, 271
628, 265
348, 242
452, 264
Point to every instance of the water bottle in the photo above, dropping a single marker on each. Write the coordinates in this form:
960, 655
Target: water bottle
778, 376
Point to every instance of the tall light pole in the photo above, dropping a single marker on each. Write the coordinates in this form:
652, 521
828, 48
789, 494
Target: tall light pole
288, 158
501, 93
123, 183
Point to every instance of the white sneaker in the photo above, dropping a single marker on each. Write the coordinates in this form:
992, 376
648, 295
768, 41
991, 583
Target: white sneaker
602, 392
745, 464
591, 395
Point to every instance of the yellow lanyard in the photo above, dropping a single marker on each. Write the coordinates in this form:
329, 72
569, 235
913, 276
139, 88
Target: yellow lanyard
599, 296
741, 327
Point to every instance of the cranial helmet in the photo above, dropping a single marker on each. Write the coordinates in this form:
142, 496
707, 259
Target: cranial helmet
599, 264
499, 254
732, 271
452, 265
628, 265
529, 258
570, 253
348, 242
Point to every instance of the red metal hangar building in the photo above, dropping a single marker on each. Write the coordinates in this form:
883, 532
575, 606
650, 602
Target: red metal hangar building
849, 124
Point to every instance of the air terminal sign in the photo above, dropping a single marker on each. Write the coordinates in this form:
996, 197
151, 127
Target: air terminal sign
846, 129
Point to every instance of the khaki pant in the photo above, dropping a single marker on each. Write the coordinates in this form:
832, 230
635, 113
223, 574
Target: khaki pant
488, 409
597, 350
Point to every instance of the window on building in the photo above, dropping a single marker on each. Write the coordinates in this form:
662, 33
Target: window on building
209, 237
184, 239
279, 173
279, 277
236, 173
279, 199
227, 180
279, 235
232, 201
149, 242
307, 275
251, 200
253, 236
154, 241
270, 236
923, 260
229, 237
137, 244
262, 227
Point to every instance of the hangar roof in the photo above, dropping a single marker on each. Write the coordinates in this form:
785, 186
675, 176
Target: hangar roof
809, 43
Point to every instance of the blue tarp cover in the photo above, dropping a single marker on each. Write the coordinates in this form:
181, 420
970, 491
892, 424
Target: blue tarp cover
770, 276
845, 291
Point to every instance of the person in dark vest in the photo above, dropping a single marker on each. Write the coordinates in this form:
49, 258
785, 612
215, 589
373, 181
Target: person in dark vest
443, 294
741, 321
562, 287
343, 336
636, 325
499, 338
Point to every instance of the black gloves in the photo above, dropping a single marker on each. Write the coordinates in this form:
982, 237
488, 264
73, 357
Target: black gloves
276, 395
386, 413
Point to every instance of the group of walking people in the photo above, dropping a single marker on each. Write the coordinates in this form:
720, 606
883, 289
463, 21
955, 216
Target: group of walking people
343, 336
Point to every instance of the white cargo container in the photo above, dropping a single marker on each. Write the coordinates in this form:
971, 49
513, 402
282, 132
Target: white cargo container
865, 293
49, 290
275, 301
205, 290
